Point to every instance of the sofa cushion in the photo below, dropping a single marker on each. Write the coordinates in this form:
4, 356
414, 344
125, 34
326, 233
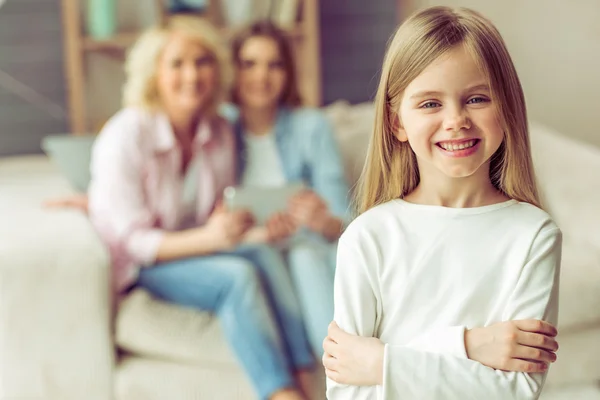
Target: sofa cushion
352, 125
579, 392
571, 196
54, 308
577, 361
565, 169
183, 349
579, 303
147, 326
140, 378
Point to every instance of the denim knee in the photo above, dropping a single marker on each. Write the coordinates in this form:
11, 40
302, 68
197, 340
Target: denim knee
306, 256
265, 254
242, 280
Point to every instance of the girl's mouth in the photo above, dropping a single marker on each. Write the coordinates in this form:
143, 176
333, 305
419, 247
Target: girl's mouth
459, 148
458, 145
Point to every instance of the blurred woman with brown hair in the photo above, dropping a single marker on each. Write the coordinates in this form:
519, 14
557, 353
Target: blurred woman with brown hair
281, 142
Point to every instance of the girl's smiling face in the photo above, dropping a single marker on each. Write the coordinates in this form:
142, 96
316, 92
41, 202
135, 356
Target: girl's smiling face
448, 117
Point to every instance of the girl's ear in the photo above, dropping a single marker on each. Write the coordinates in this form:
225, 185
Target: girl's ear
399, 131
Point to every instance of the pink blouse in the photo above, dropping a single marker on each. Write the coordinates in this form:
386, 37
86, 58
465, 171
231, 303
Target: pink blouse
136, 186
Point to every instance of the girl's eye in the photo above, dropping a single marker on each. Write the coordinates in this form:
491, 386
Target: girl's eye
477, 100
176, 63
430, 104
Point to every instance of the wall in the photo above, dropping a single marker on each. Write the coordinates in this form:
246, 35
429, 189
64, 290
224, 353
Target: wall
32, 92
555, 45
353, 40
105, 71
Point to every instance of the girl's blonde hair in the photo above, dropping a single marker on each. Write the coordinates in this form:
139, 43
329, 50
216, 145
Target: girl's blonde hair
142, 60
391, 169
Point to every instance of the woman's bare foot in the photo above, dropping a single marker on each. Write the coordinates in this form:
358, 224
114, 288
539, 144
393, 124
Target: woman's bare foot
287, 394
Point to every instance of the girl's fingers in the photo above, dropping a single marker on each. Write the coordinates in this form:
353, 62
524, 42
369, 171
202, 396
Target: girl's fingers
330, 347
333, 375
537, 340
330, 362
534, 354
536, 326
335, 332
530, 367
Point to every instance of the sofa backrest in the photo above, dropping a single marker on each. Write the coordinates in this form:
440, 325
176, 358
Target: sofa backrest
568, 176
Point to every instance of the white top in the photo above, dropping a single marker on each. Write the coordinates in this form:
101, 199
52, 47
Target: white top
263, 163
189, 194
416, 276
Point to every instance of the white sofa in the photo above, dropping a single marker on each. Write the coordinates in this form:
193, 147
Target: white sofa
59, 342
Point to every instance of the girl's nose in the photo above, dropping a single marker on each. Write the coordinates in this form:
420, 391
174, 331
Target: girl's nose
457, 120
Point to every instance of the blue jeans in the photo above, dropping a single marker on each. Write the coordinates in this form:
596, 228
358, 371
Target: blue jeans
311, 260
250, 291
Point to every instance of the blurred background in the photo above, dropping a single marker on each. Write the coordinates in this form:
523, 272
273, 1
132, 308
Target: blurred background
45, 49
51, 47
61, 72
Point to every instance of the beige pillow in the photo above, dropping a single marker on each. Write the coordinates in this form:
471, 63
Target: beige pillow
150, 327
567, 175
353, 125
579, 303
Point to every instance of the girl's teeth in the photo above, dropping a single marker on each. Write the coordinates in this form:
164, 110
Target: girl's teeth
460, 146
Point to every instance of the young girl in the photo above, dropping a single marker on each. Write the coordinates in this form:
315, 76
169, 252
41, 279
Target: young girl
451, 234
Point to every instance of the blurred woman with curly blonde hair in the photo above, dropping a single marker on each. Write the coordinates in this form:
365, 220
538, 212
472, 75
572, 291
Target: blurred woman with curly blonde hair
158, 169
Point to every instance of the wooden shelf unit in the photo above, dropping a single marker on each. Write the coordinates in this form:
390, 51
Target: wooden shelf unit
305, 36
120, 41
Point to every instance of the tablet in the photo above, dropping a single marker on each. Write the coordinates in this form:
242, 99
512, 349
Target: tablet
262, 202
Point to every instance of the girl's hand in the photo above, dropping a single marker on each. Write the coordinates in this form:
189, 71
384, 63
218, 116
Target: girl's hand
227, 228
280, 226
519, 346
308, 209
352, 360
76, 201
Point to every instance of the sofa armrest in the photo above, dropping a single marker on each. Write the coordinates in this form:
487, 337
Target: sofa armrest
55, 333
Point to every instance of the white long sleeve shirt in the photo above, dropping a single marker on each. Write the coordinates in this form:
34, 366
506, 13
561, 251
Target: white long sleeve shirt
416, 276
263, 162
